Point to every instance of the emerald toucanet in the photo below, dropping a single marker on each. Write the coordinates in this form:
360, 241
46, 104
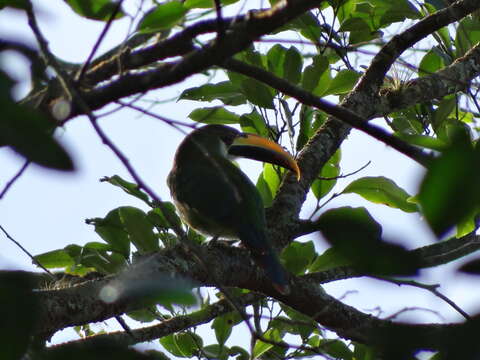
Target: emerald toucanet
216, 198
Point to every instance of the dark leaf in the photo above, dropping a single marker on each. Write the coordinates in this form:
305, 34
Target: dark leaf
449, 191
214, 115
164, 16
357, 237
95, 9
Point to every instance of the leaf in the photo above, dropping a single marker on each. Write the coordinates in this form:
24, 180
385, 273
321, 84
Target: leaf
381, 190
275, 59
468, 35
19, 314
292, 65
298, 256
254, 123
206, 4
343, 82
111, 229
216, 351
225, 91
312, 74
214, 115
258, 93
95, 9
357, 237
471, 267
139, 229
146, 291
331, 170
268, 183
331, 258
128, 187
336, 349
261, 347
164, 16
223, 326
19, 4
430, 63
302, 324
143, 315
29, 132
55, 259
425, 141
157, 217
449, 191
188, 343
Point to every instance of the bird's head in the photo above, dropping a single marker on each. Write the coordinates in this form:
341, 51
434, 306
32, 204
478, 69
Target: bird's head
227, 141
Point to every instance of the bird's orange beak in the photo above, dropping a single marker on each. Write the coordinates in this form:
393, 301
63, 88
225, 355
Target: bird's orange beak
255, 147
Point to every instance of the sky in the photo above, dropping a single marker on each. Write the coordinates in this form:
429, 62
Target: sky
46, 209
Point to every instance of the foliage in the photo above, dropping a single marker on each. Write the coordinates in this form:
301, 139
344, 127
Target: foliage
432, 122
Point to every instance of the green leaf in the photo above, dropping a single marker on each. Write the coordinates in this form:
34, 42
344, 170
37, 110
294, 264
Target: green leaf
216, 351
275, 59
225, 91
329, 172
264, 190
257, 93
468, 35
188, 343
268, 183
128, 187
206, 4
19, 4
139, 229
292, 65
449, 191
471, 267
337, 349
170, 344
254, 123
95, 9
164, 16
19, 314
101, 261
298, 256
261, 347
312, 74
330, 259
214, 115
143, 315
111, 229
430, 63
223, 326
55, 259
425, 141
381, 190
148, 291
468, 224
357, 237
303, 325
343, 82
157, 217
29, 132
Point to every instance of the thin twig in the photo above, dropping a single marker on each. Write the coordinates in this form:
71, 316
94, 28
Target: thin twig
25, 251
432, 288
346, 175
15, 177
109, 23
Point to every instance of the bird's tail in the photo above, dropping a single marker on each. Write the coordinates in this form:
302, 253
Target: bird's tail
265, 256
275, 271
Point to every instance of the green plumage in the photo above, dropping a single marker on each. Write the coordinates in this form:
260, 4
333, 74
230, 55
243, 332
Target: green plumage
216, 198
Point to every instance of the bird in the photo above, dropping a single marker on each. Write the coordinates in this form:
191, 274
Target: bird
213, 196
